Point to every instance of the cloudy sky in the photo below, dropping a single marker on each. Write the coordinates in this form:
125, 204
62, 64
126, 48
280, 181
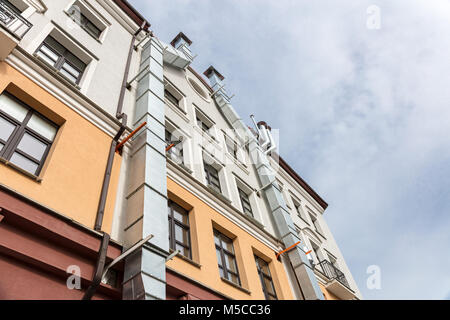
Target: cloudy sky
364, 116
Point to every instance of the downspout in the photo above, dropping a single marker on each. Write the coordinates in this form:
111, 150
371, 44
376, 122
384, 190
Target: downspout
127, 71
100, 265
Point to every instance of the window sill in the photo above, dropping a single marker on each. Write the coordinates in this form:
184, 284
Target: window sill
303, 220
186, 259
253, 220
22, 171
235, 285
219, 195
180, 165
320, 234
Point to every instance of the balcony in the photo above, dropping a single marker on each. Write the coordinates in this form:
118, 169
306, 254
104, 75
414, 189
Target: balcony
13, 27
338, 284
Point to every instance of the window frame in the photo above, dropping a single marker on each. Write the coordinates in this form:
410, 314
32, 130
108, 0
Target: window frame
62, 58
262, 275
209, 169
84, 24
11, 146
175, 222
170, 97
247, 199
223, 251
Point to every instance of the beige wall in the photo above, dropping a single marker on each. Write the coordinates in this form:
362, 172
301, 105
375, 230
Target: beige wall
73, 173
202, 219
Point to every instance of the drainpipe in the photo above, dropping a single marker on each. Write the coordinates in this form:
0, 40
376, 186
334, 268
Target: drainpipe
127, 71
107, 177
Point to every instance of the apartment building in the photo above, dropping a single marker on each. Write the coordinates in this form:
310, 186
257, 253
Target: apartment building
115, 150
60, 85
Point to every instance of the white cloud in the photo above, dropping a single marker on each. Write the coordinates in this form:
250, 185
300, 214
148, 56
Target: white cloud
364, 116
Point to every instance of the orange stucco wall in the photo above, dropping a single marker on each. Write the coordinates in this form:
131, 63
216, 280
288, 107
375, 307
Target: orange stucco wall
73, 173
202, 218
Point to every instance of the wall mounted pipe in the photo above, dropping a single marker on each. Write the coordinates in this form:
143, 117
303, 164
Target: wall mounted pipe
272, 144
127, 71
98, 273
265, 137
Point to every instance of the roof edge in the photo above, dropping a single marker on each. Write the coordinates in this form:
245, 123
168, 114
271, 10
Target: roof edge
302, 182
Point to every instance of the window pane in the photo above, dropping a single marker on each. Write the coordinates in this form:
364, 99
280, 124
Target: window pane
221, 272
184, 251
228, 245
181, 234
49, 54
1, 146
55, 45
180, 215
269, 286
231, 263
216, 239
32, 146
6, 129
13, 108
69, 76
233, 278
42, 126
219, 257
67, 67
24, 163
46, 59
93, 29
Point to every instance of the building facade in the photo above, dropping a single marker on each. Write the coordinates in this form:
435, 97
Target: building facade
113, 148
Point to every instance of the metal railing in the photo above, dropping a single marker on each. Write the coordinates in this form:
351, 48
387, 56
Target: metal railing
333, 273
12, 21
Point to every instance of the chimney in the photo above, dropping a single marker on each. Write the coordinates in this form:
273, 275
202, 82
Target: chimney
181, 41
214, 76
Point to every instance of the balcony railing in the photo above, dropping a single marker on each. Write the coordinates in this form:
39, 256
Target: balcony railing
333, 273
12, 21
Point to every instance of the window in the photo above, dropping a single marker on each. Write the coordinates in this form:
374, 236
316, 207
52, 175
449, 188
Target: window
226, 258
84, 22
316, 224
25, 135
169, 96
212, 177
179, 238
176, 152
245, 202
231, 147
316, 251
56, 55
299, 210
203, 125
266, 279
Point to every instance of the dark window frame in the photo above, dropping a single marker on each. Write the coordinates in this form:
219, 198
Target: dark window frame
170, 97
245, 202
11, 146
223, 251
210, 174
84, 22
262, 276
62, 59
175, 222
